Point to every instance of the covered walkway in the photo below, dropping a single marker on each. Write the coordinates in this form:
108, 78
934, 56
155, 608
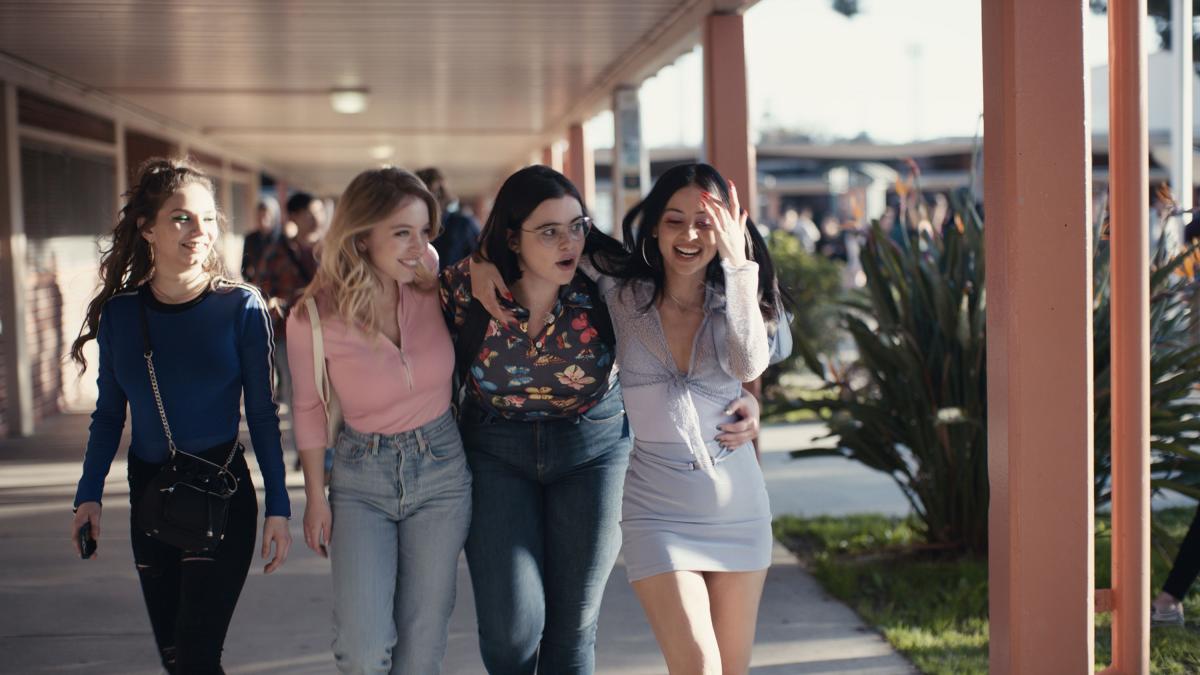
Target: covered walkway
88, 618
90, 89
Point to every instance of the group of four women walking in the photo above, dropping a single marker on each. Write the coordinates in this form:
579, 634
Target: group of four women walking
541, 342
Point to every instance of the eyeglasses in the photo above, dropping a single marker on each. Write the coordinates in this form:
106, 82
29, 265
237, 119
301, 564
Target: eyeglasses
552, 236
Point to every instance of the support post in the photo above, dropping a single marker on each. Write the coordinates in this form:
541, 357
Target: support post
630, 161
581, 164
1129, 195
13, 277
1037, 173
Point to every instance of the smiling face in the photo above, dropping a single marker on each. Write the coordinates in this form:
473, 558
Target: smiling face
545, 248
686, 238
395, 245
184, 230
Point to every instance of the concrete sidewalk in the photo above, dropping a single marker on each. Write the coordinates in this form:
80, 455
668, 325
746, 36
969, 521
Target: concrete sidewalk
65, 615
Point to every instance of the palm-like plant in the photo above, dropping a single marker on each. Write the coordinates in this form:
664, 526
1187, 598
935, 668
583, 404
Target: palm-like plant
914, 405
1174, 375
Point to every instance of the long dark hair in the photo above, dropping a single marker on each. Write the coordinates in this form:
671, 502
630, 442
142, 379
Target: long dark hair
128, 262
520, 196
642, 260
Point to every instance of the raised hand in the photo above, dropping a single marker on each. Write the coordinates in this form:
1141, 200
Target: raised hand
730, 225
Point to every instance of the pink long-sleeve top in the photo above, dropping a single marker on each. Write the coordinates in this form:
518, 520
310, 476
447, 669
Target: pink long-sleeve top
382, 388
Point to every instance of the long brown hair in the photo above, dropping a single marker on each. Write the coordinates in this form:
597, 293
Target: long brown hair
345, 274
128, 262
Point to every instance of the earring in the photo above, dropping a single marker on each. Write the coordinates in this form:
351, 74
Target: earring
643, 250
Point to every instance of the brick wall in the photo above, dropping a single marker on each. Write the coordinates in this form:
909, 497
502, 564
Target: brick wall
44, 331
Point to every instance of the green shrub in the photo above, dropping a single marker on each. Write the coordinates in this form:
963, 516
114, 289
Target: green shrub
814, 282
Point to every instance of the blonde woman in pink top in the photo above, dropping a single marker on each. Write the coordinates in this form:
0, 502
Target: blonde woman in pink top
400, 489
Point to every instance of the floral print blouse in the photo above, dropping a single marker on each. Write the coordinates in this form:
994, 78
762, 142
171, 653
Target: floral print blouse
561, 373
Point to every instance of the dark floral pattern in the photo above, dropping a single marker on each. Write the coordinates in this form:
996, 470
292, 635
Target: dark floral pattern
562, 372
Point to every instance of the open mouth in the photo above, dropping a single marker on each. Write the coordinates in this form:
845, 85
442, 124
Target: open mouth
687, 253
566, 263
196, 245
410, 263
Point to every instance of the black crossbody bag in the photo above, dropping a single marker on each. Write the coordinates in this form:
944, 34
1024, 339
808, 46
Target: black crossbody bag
186, 504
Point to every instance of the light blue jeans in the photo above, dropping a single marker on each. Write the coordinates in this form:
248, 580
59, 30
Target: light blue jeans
401, 509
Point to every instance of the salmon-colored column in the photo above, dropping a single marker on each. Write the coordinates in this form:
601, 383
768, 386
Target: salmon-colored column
581, 164
1129, 193
727, 114
1039, 337
726, 108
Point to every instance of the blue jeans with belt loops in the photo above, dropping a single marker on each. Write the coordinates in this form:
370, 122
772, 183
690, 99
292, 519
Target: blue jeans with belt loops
401, 508
545, 533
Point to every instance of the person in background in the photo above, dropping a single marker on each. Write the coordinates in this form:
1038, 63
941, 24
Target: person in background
806, 229
460, 232
1167, 608
267, 229
285, 269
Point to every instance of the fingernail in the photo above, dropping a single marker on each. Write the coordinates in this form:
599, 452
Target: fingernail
728, 411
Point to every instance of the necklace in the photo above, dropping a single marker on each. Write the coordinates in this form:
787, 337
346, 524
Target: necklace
190, 292
682, 307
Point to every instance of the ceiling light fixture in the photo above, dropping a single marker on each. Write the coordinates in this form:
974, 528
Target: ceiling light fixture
383, 152
348, 101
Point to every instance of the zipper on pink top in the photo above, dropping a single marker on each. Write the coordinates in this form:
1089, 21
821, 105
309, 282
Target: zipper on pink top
400, 327
407, 370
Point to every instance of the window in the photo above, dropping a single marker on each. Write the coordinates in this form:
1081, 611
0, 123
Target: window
66, 193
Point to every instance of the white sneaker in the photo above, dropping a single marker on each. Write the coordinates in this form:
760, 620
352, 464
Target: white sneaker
1172, 616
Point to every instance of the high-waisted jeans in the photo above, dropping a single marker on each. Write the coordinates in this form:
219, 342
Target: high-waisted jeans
545, 533
401, 506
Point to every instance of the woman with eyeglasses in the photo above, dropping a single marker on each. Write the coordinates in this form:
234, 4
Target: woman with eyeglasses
697, 311
543, 423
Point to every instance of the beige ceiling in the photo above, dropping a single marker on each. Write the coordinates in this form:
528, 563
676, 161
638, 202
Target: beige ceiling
474, 86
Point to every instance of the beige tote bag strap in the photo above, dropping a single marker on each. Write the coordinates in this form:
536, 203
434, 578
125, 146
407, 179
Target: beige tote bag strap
318, 342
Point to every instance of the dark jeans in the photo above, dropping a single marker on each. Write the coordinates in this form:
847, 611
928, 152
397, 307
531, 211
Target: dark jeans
191, 596
544, 534
1187, 562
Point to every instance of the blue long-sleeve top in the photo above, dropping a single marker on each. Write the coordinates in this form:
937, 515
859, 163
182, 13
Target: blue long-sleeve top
208, 352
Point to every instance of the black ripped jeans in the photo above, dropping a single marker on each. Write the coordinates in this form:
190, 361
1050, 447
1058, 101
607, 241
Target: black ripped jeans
1187, 562
190, 596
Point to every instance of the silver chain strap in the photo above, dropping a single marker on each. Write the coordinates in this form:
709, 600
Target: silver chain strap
162, 414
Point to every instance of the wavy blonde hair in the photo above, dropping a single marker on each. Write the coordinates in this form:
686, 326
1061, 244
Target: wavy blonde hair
345, 274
